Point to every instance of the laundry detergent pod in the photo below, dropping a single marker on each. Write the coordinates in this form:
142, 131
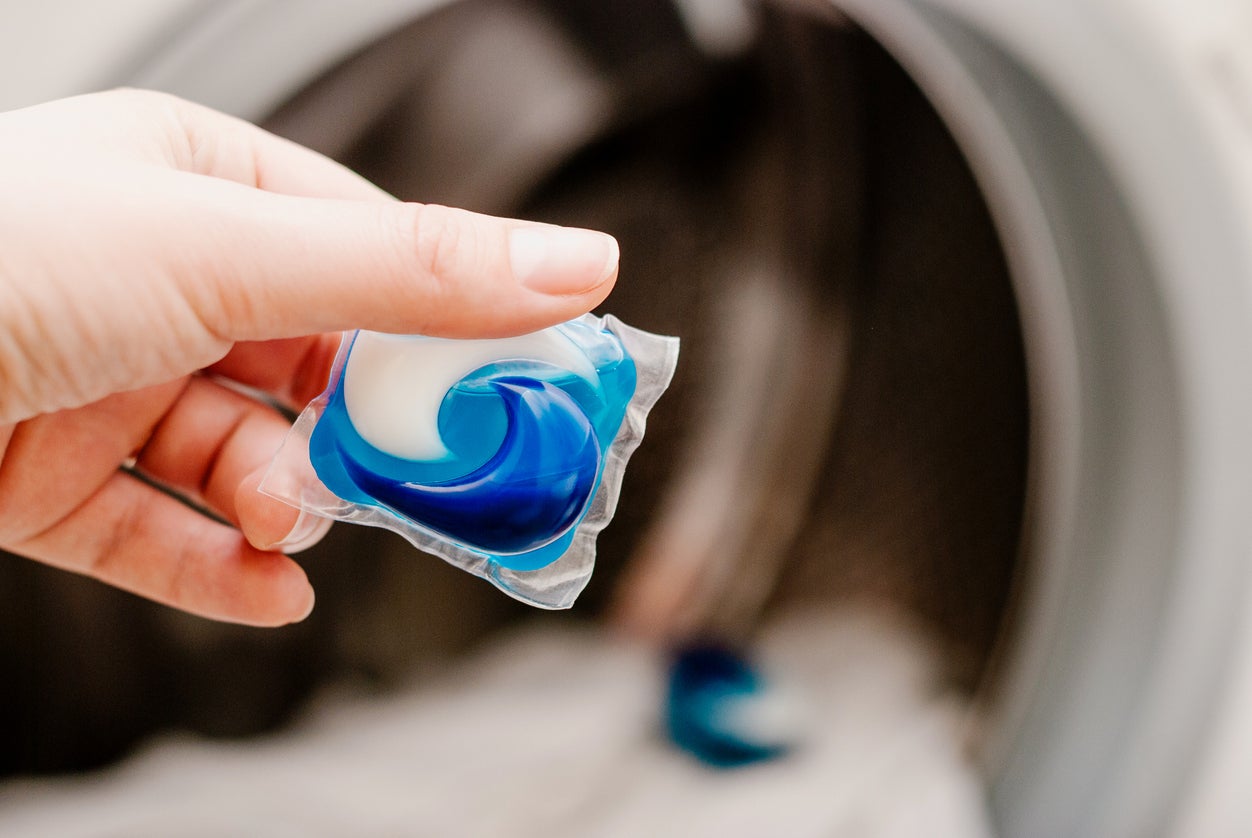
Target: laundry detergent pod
504, 457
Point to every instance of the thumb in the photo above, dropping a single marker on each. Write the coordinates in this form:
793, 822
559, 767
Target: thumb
292, 266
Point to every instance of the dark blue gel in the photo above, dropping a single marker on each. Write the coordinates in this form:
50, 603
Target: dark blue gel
702, 679
526, 444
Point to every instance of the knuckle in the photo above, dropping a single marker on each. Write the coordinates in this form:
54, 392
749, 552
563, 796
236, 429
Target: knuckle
168, 120
442, 239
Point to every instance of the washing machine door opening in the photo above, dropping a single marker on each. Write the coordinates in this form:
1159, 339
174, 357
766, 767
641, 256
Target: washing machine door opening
851, 420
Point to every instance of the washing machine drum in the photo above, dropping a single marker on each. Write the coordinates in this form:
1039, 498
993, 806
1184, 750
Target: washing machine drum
959, 326
850, 415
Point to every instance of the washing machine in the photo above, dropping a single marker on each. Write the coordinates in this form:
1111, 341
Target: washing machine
1111, 144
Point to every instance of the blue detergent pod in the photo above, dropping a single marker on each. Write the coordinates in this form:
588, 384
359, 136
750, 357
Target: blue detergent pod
502, 456
723, 712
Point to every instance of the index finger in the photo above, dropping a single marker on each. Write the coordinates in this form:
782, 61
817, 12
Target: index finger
223, 146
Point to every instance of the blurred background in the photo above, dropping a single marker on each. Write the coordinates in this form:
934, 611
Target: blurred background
955, 463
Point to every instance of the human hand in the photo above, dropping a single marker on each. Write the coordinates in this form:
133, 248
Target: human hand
150, 248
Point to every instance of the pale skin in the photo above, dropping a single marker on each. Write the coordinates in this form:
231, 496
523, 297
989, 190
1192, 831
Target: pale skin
152, 249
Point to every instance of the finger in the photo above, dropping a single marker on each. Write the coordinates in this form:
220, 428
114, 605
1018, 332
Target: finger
135, 537
292, 371
272, 525
208, 442
55, 461
259, 266
424, 252
212, 143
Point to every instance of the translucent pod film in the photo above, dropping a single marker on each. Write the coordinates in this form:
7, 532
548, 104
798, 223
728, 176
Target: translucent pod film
504, 457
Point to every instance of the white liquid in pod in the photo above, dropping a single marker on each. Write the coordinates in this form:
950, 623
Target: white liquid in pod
394, 384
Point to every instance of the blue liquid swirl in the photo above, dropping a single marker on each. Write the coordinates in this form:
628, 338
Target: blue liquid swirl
526, 442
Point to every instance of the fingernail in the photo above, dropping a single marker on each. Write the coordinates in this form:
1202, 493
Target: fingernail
308, 530
561, 260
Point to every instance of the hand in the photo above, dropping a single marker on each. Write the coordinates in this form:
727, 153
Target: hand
149, 249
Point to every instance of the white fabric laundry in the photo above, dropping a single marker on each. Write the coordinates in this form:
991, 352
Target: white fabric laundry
553, 731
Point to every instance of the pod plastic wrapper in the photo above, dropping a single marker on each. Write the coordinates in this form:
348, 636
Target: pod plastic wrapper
504, 457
